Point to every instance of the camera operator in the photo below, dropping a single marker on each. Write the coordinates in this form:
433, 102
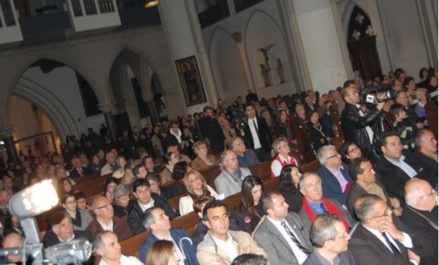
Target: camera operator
355, 124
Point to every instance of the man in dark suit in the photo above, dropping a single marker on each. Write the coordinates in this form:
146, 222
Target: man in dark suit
420, 214
256, 134
366, 182
330, 241
78, 171
425, 156
280, 233
394, 168
336, 181
376, 240
211, 129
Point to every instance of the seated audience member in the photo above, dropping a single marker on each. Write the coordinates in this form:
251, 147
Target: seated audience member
162, 252
157, 223
120, 165
65, 186
201, 229
163, 192
203, 159
78, 171
412, 119
425, 156
299, 113
109, 167
181, 157
81, 201
12, 226
61, 230
405, 131
422, 96
336, 181
281, 233
128, 177
246, 157
180, 170
248, 214
109, 186
316, 134
148, 163
121, 200
80, 218
366, 182
230, 180
169, 160
250, 259
376, 240
13, 240
105, 220
284, 127
420, 215
348, 150
289, 187
314, 203
139, 171
221, 245
394, 168
330, 240
282, 149
196, 186
145, 200
106, 245
5, 213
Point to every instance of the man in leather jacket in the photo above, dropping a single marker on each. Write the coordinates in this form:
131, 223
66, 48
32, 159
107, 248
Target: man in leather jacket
357, 126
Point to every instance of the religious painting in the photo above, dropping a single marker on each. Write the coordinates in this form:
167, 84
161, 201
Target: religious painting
191, 81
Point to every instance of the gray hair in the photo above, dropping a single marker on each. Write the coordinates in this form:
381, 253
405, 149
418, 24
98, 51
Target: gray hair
323, 229
278, 142
420, 137
419, 91
306, 175
364, 206
322, 153
223, 156
121, 190
149, 218
98, 242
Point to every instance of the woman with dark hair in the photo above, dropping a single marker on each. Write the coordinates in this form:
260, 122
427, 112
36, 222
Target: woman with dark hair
423, 74
284, 127
248, 214
196, 186
65, 187
109, 187
431, 83
289, 187
315, 131
348, 151
162, 252
180, 170
80, 218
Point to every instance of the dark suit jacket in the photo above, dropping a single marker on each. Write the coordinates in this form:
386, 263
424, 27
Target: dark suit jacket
263, 133
51, 239
429, 166
367, 249
211, 129
276, 247
425, 236
74, 174
346, 258
393, 177
331, 186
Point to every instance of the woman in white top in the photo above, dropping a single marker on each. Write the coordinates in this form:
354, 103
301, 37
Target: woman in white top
196, 186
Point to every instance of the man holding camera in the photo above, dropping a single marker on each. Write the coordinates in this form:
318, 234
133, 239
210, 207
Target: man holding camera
355, 124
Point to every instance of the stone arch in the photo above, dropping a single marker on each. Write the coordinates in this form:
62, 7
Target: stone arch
262, 30
228, 64
347, 14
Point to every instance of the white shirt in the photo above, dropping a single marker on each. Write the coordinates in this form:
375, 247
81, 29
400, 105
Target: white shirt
404, 166
108, 227
299, 254
227, 246
125, 261
254, 132
145, 207
186, 203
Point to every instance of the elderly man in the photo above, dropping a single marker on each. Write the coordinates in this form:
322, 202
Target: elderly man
62, 230
362, 171
246, 157
314, 203
157, 223
109, 167
281, 234
282, 149
105, 219
330, 240
145, 200
230, 180
13, 240
78, 170
376, 241
394, 169
412, 119
336, 180
221, 245
425, 156
420, 214
106, 245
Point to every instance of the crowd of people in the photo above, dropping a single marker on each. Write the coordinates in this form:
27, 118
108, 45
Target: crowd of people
372, 201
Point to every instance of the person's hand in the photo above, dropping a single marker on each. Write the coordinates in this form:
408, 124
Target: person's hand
413, 256
380, 99
419, 125
387, 226
395, 202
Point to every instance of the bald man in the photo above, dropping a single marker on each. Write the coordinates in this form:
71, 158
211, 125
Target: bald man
13, 240
420, 214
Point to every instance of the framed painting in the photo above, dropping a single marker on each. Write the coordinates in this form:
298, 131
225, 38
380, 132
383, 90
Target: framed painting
191, 81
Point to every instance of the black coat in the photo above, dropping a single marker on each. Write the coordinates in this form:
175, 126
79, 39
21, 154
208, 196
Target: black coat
263, 133
211, 129
429, 167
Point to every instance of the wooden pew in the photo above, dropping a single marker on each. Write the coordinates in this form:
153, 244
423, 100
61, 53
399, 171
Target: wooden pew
91, 186
310, 167
262, 170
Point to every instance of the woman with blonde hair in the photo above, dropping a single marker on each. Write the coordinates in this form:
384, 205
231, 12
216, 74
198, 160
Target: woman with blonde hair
196, 186
203, 159
162, 252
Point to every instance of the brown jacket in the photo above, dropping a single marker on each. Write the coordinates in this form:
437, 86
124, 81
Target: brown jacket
120, 228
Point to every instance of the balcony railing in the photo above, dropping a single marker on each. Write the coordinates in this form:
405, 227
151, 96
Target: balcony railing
214, 13
92, 7
9, 29
93, 14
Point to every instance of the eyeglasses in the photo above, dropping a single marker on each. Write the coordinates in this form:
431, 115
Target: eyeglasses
103, 206
344, 236
433, 192
329, 157
387, 212
71, 202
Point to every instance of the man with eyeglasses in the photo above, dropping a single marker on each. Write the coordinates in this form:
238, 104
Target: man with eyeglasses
376, 240
336, 181
420, 214
282, 149
230, 180
330, 240
105, 220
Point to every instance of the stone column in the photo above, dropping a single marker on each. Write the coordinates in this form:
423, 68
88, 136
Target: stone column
6, 135
106, 108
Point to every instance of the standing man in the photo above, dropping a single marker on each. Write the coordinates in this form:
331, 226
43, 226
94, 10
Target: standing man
211, 129
256, 134
106, 245
330, 241
281, 234
355, 124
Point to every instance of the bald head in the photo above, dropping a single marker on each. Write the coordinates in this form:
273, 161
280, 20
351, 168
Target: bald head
419, 194
13, 240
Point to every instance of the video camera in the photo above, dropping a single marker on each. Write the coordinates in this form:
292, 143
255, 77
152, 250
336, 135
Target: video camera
369, 95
